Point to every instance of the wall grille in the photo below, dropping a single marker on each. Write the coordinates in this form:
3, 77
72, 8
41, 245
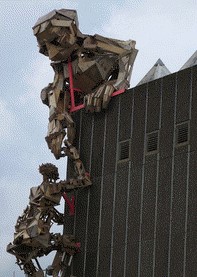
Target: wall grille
124, 150
152, 142
182, 133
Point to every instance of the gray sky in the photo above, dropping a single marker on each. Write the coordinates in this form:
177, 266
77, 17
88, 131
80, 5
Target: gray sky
162, 29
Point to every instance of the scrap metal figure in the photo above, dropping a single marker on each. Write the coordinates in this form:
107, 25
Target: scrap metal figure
88, 69
32, 238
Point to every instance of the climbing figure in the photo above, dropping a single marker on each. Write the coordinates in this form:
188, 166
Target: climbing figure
89, 70
32, 238
90, 67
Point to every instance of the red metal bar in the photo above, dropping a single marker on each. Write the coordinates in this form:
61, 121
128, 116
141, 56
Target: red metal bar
75, 108
81, 106
70, 72
117, 92
70, 203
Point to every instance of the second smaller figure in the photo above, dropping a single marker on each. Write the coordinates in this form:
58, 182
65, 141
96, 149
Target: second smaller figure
32, 238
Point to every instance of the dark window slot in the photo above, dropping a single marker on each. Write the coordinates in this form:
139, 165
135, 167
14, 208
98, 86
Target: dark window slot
124, 148
152, 142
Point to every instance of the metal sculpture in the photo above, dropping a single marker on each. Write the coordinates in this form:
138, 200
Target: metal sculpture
89, 70
32, 238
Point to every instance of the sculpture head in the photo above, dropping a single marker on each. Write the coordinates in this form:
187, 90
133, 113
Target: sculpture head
57, 33
49, 172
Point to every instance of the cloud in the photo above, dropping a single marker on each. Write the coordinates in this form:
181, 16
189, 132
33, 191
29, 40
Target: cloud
11, 202
7, 122
35, 75
23, 131
163, 30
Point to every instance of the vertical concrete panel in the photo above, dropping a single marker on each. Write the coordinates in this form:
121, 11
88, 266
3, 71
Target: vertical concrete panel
148, 218
91, 258
80, 230
167, 119
106, 225
93, 228
191, 250
108, 189
97, 148
104, 264
126, 102
154, 95
147, 258
163, 217
95, 194
149, 197
86, 138
178, 215
193, 129
183, 95
120, 220
134, 222
111, 137
137, 145
82, 199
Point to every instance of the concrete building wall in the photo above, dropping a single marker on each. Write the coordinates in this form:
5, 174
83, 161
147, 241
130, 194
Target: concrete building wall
139, 219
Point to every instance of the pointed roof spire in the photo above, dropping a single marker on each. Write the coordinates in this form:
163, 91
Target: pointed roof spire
157, 71
159, 62
192, 61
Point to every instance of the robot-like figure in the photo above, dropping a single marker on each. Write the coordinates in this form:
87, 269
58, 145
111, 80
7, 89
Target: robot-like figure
32, 238
88, 69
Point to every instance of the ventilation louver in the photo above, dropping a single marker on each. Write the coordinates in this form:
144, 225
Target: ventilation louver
182, 133
124, 148
152, 142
